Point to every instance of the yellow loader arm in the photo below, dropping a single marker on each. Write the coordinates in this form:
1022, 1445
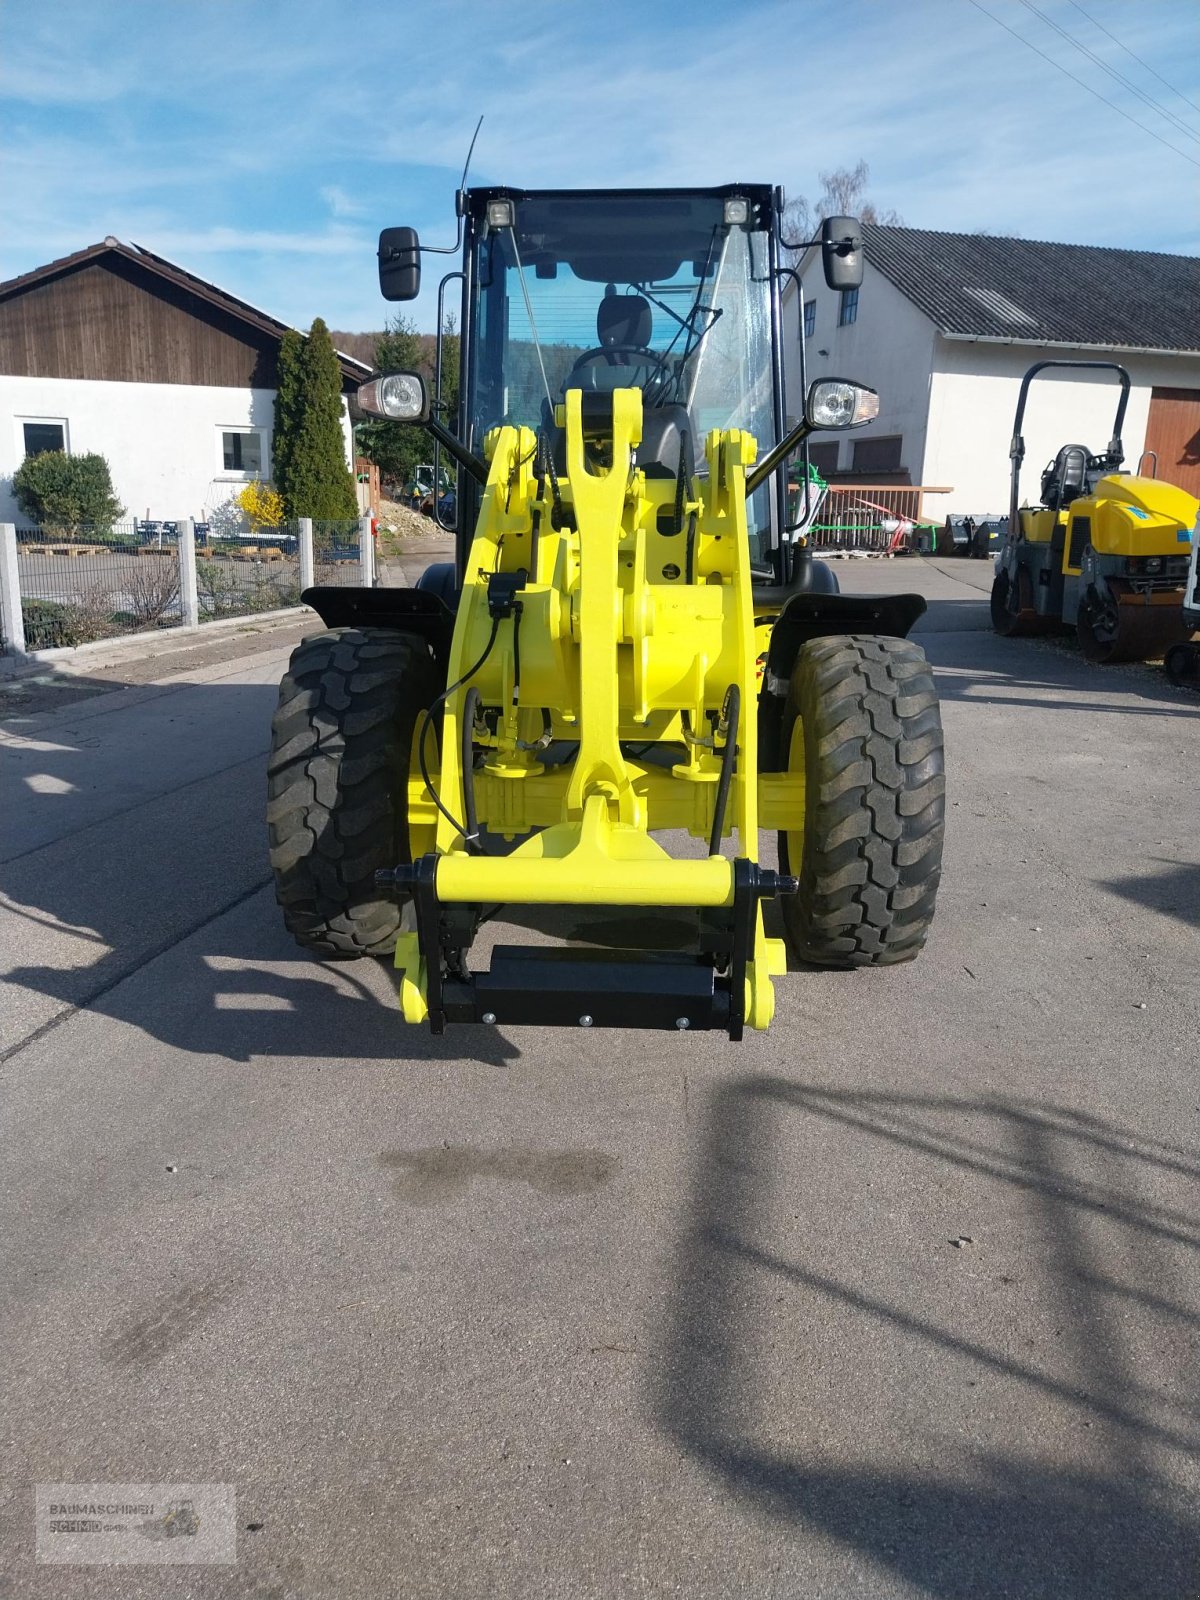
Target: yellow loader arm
567, 627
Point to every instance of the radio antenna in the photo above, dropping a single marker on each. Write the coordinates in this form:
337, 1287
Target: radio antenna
470, 152
460, 205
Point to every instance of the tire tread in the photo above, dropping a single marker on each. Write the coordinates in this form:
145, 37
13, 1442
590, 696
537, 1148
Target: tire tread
875, 815
336, 783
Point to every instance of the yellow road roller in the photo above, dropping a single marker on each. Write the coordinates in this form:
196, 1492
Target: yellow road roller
1105, 552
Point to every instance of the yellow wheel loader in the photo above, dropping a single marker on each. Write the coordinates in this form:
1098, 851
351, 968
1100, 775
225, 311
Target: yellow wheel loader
1105, 552
631, 651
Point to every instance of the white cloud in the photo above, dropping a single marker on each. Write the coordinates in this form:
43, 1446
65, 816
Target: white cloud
340, 203
337, 242
253, 154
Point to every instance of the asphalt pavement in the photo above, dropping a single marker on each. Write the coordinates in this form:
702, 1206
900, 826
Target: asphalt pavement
898, 1299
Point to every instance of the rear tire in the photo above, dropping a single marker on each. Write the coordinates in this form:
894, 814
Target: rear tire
862, 719
1182, 665
337, 785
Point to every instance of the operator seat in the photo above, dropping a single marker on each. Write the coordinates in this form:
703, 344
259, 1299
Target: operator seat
625, 327
1065, 479
623, 320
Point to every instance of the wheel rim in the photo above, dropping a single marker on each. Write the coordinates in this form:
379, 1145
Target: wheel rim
1098, 628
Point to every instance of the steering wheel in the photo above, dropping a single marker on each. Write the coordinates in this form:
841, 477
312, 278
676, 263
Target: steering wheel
608, 351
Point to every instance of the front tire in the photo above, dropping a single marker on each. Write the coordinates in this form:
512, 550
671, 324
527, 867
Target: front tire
862, 721
342, 742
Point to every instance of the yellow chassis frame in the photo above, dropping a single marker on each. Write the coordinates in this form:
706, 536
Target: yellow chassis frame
618, 647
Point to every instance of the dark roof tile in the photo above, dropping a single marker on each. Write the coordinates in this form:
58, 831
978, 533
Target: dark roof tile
1041, 293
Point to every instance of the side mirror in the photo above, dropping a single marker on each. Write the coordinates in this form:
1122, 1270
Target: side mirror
838, 403
842, 252
399, 264
400, 397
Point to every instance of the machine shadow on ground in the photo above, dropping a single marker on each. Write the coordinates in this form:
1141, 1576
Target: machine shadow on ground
1035, 1445
981, 669
1171, 888
155, 907
173, 853
29, 694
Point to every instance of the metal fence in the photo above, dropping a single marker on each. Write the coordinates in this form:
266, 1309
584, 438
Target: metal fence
877, 519
339, 556
95, 583
60, 589
242, 576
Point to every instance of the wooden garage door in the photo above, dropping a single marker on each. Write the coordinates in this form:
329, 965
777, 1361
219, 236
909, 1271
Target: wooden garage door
1173, 430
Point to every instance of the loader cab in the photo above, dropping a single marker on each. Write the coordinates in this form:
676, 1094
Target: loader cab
675, 292
672, 292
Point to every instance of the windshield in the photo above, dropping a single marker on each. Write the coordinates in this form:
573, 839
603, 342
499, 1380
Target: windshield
652, 291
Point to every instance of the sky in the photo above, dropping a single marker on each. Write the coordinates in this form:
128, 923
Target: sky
263, 144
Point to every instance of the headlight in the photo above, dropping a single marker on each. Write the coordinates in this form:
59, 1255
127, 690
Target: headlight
400, 396
836, 403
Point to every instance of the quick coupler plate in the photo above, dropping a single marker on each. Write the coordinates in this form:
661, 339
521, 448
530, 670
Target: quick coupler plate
591, 988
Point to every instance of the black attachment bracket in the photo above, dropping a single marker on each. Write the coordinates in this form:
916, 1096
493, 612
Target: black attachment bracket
586, 987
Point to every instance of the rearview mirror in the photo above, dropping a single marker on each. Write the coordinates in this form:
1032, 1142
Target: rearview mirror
399, 264
400, 397
838, 403
842, 252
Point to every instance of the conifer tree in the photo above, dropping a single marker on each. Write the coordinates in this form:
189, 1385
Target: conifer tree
315, 481
289, 404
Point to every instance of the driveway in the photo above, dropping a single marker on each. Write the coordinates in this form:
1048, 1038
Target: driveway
898, 1299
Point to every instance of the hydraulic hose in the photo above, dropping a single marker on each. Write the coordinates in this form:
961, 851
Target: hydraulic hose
467, 756
730, 715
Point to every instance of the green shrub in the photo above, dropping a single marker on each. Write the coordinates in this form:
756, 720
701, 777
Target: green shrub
54, 625
241, 587
65, 494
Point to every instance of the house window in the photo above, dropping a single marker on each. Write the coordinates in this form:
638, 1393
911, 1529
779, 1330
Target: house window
241, 451
810, 318
824, 457
42, 435
849, 308
878, 455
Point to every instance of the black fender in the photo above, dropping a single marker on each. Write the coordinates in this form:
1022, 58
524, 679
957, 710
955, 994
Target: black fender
441, 578
813, 616
406, 610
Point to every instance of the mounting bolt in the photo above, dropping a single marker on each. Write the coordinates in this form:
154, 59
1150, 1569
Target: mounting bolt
488, 1016
585, 1021
683, 1022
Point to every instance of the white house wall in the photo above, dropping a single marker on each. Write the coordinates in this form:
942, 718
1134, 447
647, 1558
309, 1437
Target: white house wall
973, 397
889, 347
162, 441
